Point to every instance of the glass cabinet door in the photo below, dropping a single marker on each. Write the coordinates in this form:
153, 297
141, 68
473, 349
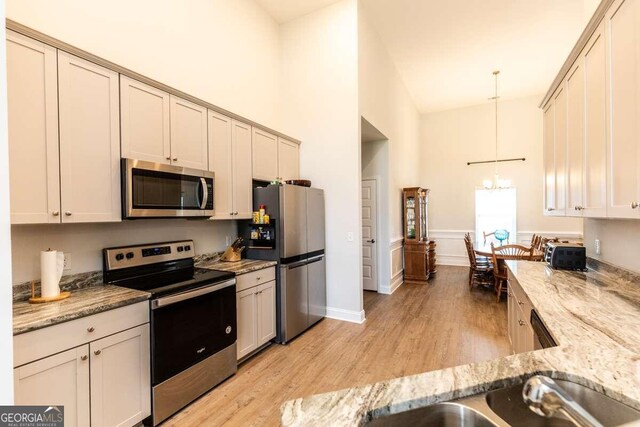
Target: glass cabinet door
423, 216
411, 217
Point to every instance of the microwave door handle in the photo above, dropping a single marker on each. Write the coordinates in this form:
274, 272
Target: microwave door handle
205, 193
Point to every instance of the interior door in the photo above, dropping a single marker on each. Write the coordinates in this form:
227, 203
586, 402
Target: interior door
369, 234
316, 277
315, 220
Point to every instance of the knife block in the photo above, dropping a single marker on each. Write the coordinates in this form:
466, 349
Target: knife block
231, 255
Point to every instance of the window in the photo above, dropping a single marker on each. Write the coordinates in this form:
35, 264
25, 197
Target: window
496, 210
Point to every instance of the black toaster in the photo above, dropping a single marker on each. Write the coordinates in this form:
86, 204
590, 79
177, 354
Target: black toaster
566, 256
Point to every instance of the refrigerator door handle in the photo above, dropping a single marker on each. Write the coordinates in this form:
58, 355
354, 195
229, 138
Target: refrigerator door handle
315, 259
296, 264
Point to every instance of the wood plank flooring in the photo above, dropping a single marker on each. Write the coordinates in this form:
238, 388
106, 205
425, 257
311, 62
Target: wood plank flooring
419, 328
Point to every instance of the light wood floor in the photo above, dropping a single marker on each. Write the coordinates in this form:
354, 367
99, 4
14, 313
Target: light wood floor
419, 328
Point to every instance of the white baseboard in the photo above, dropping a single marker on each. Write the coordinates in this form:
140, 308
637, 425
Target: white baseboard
396, 282
345, 315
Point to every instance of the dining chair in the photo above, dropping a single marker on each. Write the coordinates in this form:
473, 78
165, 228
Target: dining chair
503, 253
480, 272
485, 235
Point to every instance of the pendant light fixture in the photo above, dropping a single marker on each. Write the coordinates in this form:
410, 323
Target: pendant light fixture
496, 183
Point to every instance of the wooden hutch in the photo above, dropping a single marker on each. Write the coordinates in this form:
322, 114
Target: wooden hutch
419, 251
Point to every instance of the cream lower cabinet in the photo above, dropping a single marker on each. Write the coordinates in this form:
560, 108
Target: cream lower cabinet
230, 160
104, 380
288, 160
256, 310
61, 379
518, 321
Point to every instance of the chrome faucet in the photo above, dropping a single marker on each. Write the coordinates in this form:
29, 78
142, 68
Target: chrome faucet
546, 398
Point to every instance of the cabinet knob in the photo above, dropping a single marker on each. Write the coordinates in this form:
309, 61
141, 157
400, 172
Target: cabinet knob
175, 159
91, 329
520, 303
258, 278
521, 322
634, 205
55, 213
168, 157
84, 357
235, 213
68, 213
97, 352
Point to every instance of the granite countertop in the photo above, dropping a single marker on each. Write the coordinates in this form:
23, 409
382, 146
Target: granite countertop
238, 267
594, 317
82, 302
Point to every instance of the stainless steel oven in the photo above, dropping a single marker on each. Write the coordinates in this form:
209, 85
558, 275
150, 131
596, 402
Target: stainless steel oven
156, 190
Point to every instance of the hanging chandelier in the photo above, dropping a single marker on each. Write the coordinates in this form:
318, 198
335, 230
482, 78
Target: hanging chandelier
496, 183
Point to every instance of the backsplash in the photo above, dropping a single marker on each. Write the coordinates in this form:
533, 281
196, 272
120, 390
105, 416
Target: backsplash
619, 241
85, 242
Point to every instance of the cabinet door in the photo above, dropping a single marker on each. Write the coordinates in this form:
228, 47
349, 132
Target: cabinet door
525, 332
221, 162
595, 161
247, 313
188, 134
89, 140
265, 155
622, 23
61, 380
266, 301
512, 317
288, 160
575, 138
120, 378
560, 151
242, 181
32, 92
144, 117
549, 188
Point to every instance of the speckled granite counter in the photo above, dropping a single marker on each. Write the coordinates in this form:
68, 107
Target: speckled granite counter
594, 317
82, 302
239, 267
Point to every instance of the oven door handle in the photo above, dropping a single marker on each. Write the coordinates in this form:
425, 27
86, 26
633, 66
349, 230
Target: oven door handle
172, 299
205, 193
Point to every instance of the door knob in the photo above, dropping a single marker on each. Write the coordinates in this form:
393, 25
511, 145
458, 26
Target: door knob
371, 241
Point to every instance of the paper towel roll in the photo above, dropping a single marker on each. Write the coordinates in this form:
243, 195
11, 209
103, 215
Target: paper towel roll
51, 266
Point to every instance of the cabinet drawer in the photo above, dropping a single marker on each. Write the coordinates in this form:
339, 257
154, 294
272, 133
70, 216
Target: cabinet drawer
43, 342
249, 280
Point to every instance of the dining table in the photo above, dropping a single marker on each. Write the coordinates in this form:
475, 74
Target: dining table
484, 250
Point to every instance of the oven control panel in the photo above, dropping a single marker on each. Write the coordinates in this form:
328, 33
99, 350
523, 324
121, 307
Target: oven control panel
134, 256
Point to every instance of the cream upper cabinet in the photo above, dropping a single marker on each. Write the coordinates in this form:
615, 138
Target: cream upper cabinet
61, 379
242, 176
288, 160
265, 155
145, 122
622, 28
32, 89
89, 141
560, 150
595, 127
120, 378
221, 163
575, 139
549, 187
188, 134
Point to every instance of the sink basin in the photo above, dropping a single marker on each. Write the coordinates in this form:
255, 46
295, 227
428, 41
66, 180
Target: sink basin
507, 403
448, 414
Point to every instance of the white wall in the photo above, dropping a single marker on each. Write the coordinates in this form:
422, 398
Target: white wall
320, 68
451, 138
86, 241
385, 103
224, 52
6, 322
619, 241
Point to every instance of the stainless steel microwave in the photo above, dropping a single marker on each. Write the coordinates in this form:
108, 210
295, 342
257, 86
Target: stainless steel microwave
156, 190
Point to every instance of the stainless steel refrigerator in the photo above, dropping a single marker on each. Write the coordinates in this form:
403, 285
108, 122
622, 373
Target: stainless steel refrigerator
297, 223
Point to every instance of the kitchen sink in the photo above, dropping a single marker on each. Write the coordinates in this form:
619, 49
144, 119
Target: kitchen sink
509, 405
449, 414
505, 407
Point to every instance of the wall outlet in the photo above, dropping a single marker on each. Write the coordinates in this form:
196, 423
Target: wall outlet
597, 246
350, 236
67, 261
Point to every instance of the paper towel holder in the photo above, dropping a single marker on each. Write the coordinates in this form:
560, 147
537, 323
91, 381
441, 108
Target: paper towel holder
39, 300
